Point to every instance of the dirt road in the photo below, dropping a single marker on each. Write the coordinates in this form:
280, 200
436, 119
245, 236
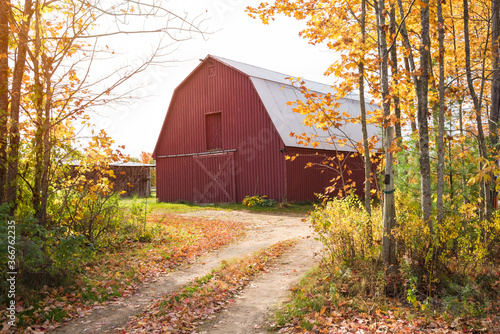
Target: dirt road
249, 313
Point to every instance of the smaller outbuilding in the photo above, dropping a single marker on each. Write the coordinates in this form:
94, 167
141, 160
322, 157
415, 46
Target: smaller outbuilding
131, 178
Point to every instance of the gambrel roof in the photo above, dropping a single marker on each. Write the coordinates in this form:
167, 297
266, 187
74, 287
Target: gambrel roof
275, 90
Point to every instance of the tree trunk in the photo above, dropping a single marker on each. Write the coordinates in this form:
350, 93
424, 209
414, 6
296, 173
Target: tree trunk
39, 121
409, 62
43, 106
495, 77
15, 105
394, 74
440, 138
423, 128
495, 84
389, 220
4, 93
366, 148
47, 144
477, 109
413, 124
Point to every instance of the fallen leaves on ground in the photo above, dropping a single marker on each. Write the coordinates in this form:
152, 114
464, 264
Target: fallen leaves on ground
119, 271
182, 311
317, 306
348, 321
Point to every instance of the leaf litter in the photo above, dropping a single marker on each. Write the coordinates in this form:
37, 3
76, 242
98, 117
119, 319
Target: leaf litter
184, 310
117, 272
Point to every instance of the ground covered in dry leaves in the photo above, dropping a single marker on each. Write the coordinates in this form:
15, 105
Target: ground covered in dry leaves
122, 269
202, 285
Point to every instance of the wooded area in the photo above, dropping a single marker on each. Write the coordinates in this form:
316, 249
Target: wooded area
433, 68
50, 88
51, 84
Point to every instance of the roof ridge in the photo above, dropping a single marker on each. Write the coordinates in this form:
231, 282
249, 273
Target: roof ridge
258, 72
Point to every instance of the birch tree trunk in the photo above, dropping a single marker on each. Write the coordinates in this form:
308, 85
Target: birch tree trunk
389, 220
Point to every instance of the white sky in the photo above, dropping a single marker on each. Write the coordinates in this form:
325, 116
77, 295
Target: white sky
238, 37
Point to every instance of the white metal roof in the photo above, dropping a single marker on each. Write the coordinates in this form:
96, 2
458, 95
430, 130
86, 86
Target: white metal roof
275, 91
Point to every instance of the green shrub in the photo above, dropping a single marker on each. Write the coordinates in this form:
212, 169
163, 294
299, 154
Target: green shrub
91, 214
51, 257
44, 256
256, 200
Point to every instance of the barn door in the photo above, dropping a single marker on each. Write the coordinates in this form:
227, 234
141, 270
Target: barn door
214, 178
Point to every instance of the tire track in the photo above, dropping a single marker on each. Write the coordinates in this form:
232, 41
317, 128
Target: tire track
263, 231
251, 310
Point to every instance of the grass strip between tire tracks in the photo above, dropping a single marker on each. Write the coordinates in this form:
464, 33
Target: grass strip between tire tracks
182, 311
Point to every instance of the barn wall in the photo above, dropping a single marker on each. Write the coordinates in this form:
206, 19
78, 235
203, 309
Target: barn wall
258, 165
170, 185
303, 182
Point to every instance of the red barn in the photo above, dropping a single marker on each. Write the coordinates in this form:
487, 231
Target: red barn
227, 133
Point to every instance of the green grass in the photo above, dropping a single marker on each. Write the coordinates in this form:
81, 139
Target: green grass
185, 207
288, 208
56, 314
310, 295
153, 205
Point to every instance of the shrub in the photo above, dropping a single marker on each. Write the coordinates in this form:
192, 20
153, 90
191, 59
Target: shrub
51, 257
91, 214
461, 245
256, 200
347, 231
44, 256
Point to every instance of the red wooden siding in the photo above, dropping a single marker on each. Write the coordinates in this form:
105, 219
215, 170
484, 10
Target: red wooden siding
303, 182
172, 182
258, 165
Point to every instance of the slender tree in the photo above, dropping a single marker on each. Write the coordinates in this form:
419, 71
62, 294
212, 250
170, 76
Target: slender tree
56, 44
395, 74
477, 110
4, 92
362, 106
389, 219
440, 136
422, 115
15, 102
495, 76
